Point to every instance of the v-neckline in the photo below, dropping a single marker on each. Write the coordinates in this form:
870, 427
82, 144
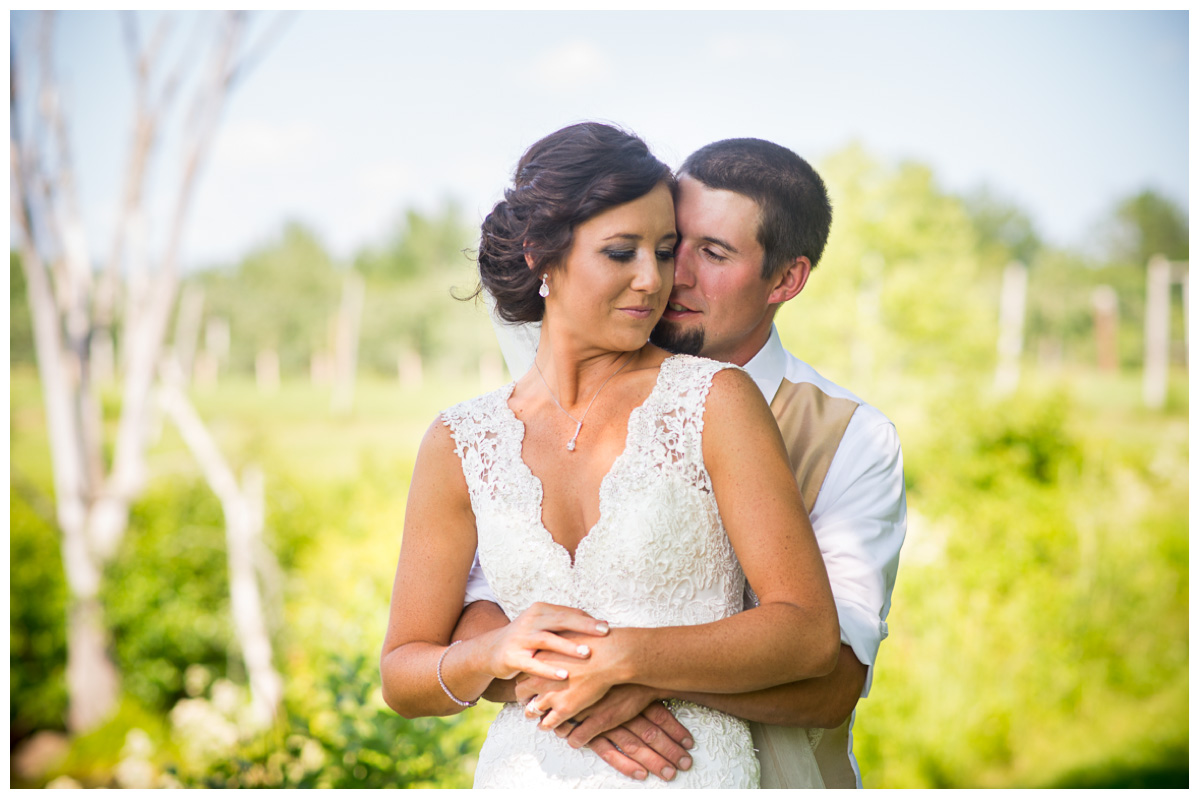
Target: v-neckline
573, 558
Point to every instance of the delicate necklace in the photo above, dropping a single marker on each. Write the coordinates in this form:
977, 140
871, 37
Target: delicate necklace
578, 422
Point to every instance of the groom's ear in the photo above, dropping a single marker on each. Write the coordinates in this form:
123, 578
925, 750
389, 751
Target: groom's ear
790, 281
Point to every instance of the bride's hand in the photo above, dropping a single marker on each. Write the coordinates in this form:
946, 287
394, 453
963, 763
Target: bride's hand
585, 685
539, 628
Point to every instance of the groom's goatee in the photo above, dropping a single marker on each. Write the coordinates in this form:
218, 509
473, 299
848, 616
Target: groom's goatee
673, 339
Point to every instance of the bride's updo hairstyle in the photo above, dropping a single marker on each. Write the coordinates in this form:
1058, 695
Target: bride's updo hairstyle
562, 181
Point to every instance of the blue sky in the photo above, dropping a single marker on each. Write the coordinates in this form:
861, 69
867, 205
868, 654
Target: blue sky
353, 117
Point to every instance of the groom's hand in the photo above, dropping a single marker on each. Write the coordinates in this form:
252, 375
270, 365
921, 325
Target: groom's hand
633, 733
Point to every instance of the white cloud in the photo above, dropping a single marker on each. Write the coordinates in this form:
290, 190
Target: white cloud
255, 144
572, 65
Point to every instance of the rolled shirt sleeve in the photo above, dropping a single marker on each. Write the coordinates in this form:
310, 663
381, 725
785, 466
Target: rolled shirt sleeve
859, 520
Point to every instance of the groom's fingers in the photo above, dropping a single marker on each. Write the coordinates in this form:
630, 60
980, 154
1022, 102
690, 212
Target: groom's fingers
659, 741
634, 748
622, 763
658, 714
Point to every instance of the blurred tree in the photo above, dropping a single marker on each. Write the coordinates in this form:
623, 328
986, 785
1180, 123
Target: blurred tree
284, 296
20, 323
281, 296
1145, 224
900, 292
1003, 231
410, 285
75, 309
420, 245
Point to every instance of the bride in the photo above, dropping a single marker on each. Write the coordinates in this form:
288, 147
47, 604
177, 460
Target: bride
619, 497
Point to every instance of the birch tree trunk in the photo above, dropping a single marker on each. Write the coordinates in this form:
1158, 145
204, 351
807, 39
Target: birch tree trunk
243, 510
70, 305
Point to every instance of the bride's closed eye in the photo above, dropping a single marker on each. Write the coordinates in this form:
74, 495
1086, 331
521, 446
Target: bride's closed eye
621, 256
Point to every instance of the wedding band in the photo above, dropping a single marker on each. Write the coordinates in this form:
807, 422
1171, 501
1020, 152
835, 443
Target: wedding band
532, 707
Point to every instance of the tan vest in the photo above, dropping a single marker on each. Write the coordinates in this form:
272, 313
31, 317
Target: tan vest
812, 424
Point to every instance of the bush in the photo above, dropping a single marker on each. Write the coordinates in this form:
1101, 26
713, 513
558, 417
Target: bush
37, 634
344, 737
166, 595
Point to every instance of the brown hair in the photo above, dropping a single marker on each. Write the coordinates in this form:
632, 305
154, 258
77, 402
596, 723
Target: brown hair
795, 213
562, 181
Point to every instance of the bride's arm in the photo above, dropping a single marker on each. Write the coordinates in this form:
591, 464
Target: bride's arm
790, 636
435, 555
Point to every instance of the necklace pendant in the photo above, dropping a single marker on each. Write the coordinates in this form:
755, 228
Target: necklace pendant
578, 428
571, 444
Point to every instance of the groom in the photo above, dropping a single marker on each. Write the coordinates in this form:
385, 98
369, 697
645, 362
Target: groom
753, 218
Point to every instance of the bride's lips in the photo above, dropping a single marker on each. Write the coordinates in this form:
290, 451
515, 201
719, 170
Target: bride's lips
678, 311
639, 312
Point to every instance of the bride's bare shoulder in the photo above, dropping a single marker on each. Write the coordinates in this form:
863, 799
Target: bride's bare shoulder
735, 409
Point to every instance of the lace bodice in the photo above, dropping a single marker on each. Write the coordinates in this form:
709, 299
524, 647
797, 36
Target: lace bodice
658, 555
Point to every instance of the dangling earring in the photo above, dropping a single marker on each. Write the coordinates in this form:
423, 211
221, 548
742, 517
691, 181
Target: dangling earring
545, 290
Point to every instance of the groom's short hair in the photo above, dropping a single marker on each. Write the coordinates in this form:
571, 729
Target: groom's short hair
795, 213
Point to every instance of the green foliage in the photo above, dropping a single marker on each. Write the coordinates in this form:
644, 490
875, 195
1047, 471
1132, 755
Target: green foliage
20, 321
900, 290
1146, 224
420, 245
94, 758
1042, 599
281, 296
37, 638
412, 282
1004, 232
342, 736
166, 596
285, 295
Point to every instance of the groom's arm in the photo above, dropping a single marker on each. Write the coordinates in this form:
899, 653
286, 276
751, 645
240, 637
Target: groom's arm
484, 616
823, 702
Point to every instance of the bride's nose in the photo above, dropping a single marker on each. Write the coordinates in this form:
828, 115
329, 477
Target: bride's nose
647, 277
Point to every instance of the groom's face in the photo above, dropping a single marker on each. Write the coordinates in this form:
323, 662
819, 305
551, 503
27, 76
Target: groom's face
718, 307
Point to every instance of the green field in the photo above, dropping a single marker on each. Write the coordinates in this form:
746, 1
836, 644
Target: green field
1039, 626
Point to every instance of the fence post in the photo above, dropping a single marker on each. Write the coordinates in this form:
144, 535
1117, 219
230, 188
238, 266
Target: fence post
1012, 327
1104, 316
1158, 320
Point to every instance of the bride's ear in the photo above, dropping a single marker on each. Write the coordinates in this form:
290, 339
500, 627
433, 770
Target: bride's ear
529, 260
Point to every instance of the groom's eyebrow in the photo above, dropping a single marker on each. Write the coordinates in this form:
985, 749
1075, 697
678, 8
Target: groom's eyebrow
720, 243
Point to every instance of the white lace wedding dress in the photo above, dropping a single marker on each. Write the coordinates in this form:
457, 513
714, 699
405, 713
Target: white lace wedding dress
657, 556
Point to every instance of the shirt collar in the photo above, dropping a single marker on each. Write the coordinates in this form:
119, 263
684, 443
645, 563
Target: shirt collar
768, 366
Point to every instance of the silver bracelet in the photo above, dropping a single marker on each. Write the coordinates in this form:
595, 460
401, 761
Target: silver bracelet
446, 688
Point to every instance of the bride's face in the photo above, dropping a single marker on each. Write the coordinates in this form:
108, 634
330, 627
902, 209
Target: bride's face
614, 282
